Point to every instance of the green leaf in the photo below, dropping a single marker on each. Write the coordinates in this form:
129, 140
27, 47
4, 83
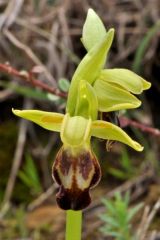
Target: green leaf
109, 205
25, 91
113, 98
26, 180
64, 84
133, 211
89, 68
111, 221
126, 161
106, 130
126, 79
29, 175
93, 30
53, 97
111, 233
127, 198
117, 173
141, 50
48, 120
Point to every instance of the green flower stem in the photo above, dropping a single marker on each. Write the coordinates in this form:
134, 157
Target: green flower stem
73, 225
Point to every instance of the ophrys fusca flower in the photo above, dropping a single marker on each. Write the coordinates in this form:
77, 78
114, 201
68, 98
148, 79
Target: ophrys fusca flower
93, 89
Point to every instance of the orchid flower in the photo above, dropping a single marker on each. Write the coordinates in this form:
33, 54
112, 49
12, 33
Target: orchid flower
76, 169
113, 87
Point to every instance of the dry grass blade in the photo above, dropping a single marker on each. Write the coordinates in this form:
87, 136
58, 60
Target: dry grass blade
42, 198
5, 94
11, 12
149, 219
17, 156
29, 53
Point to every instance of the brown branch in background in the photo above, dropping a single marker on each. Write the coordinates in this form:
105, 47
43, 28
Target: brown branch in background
29, 53
42, 198
28, 77
124, 122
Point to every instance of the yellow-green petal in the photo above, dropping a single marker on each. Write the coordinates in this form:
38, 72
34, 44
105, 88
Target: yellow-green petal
93, 30
75, 131
112, 98
146, 84
109, 131
125, 79
89, 68
48, 120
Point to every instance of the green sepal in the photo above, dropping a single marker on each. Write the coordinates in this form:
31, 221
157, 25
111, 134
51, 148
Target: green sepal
87, 103
89, 68
48, 120
126, 79
75, 131
93, 30
109, 131
113, 98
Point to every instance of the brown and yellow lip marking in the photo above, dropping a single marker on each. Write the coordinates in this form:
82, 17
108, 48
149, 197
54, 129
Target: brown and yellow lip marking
75, 175
50, 119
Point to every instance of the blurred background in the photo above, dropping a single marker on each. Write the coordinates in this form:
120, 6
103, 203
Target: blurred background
42, 38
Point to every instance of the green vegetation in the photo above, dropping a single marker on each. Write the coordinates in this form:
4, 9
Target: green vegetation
118, 217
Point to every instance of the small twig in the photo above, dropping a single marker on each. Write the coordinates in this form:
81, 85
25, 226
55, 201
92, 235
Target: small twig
42, 198
142, 223
5, 94
28, 77
11, 12
149, 219
124, 122
154, 235
17, 157
29, 53
49, 36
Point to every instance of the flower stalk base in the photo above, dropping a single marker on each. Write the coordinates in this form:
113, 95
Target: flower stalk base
73, 225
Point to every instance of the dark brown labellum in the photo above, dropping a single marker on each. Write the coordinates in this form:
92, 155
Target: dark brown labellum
75, 173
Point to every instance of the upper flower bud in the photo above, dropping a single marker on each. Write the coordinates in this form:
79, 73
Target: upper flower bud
93, 30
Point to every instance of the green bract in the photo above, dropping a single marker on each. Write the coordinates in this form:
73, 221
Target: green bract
93, 89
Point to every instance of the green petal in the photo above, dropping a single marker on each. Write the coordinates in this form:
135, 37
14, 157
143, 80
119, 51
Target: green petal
113, 98
126, 79
48, 120
109, 131
146, 84
75, 131
87, 103
89, 68
93, 30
